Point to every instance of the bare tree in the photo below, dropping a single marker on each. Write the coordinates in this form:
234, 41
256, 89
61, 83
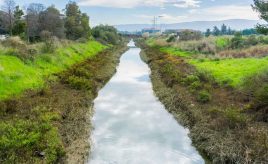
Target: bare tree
51, 21
9, 8
3, 22
32, 20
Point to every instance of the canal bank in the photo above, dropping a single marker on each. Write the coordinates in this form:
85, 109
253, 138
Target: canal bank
53, 125
220, 134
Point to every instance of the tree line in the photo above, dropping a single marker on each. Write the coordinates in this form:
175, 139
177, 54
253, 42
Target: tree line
224, 30
36, 21
259, 6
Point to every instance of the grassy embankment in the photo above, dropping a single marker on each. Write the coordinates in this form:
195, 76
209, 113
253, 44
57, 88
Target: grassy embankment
16, 75
222, 100
51, 123
228, 69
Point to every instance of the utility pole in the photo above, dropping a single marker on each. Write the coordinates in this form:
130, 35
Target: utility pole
154, 23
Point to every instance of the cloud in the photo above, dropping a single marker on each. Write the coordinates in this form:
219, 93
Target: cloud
139, 3
163, 18
187, 4
207, 14
224, 12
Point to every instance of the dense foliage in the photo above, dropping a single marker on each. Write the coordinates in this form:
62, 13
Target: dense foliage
106, 34
76, 23
261, 7
36, 18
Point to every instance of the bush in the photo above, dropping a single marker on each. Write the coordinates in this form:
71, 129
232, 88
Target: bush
18, 48
237, 41
26, 139
203, 96
206, 46
48, 39
195, 85
262, 96
252, 40
190, 79
186, 35
79, 83
106, 34
172, 38
82, 40
234, 118
14, 42
222, 43
255, 51
263, 40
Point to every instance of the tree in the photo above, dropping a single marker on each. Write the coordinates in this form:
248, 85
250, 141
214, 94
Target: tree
8, 8
106, 34
229, 31
216, 31
237, 41
76, 23
208, 33
223, 29
250, 31
32, 20
50, 20
85, 24
261, 7
19, 24
3, 23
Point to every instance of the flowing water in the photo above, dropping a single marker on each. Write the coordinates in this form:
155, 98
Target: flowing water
131, 126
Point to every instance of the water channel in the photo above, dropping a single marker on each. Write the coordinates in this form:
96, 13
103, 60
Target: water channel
131, 126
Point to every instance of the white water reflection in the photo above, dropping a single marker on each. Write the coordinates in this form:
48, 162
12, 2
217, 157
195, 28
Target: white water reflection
132, 126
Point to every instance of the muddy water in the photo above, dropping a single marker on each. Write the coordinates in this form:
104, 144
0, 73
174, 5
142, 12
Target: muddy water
131, 126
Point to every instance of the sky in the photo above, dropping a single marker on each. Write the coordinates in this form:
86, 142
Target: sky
114, 12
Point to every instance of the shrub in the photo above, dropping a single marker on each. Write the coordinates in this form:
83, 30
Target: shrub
195, 85
263, 39
252, 40
172, 38
234, 118
186, 35
237, 41
49, 42
203, 96
190, 79
14, 42
79, 83
256, 51
262, 96
257, 88
82, 40
222, 43
146, 35
26, 139
206, 46
106, 34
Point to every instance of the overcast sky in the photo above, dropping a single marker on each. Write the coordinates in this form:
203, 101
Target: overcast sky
172, 11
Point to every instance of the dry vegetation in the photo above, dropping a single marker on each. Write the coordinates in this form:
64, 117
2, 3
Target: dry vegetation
226, 125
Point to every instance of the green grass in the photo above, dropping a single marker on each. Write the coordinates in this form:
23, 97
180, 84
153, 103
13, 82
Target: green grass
176, 51
27, 138
150, 41
17, 76
232, 71
222, 42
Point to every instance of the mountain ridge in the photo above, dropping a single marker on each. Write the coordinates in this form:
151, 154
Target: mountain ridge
237, 24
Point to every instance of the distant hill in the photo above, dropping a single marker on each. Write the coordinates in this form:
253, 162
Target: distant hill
236, 24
